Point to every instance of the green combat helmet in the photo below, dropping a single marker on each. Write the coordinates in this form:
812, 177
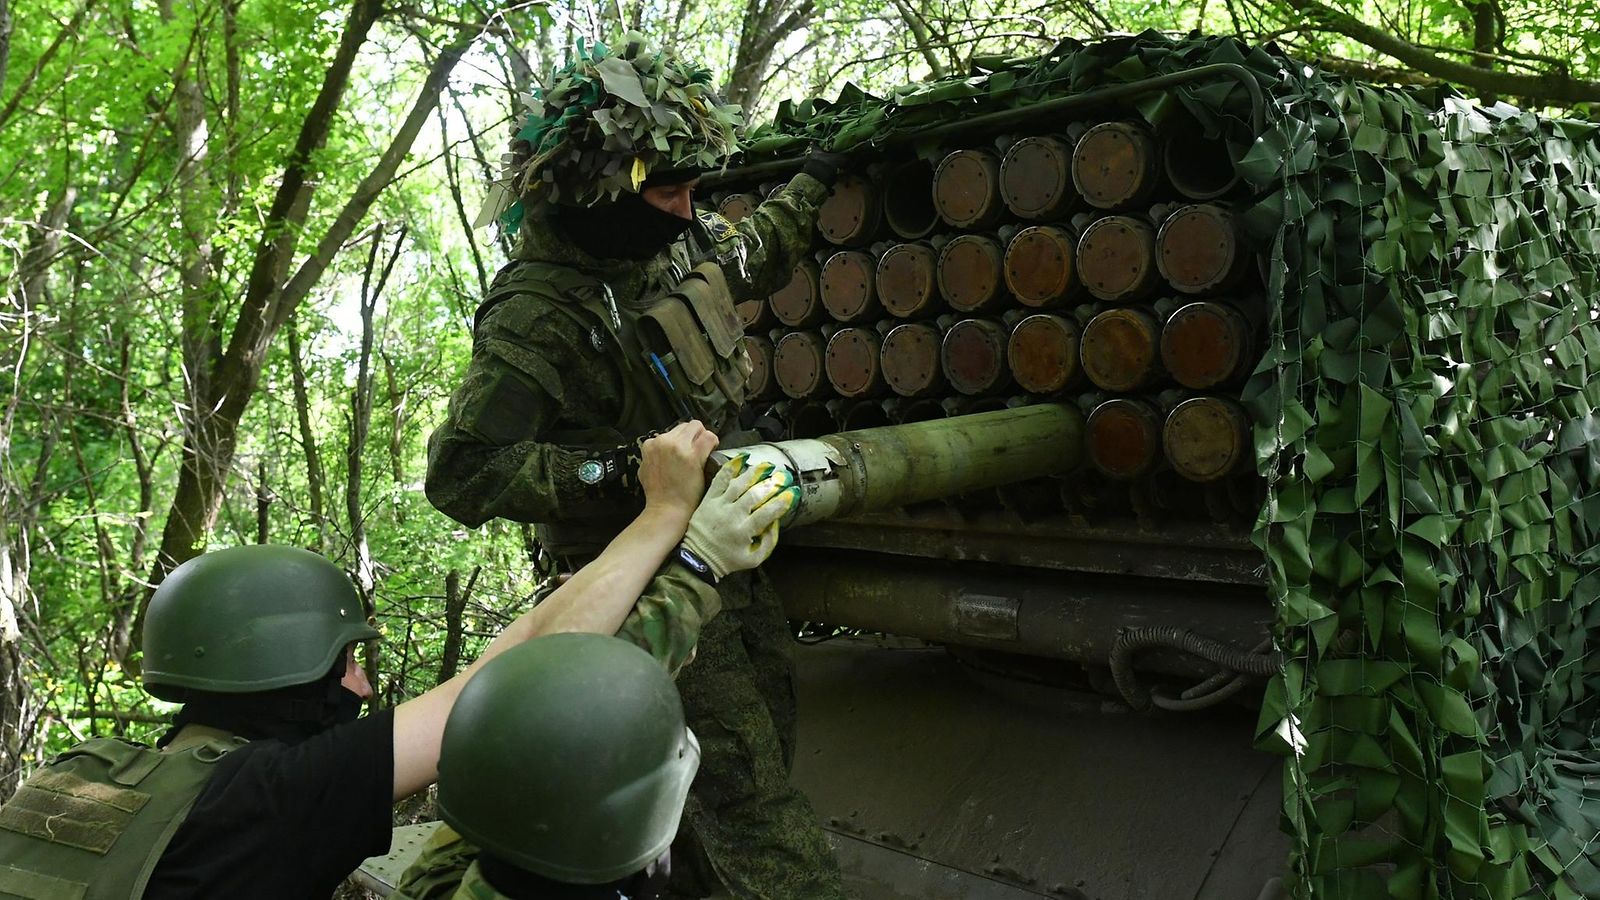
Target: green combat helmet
567, 757
605, 123
249, 619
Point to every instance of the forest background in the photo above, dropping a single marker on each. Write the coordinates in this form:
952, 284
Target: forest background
237, 270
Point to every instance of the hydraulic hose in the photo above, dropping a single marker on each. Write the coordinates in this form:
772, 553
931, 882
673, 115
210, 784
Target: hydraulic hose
1233, 660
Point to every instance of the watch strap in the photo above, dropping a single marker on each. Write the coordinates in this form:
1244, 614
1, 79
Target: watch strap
692, 561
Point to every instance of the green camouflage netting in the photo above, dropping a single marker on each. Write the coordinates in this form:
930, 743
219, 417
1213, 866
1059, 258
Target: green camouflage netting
1426, 427
604, 123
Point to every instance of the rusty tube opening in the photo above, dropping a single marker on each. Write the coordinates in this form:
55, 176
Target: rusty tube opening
908, 200
923, 411
865, 415
811, 420
1200, 168
853, 212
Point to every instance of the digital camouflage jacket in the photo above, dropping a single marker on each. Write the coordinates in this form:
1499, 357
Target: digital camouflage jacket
447, 870
666, 621
549, 381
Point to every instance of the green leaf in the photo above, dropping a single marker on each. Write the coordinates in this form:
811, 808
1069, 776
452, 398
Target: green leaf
623, 80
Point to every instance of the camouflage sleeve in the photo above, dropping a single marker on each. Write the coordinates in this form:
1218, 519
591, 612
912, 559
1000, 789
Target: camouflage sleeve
760, 254
486, 461
669, 616
438, 871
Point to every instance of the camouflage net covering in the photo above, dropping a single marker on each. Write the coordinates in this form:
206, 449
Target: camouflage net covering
1426, 425
606, 122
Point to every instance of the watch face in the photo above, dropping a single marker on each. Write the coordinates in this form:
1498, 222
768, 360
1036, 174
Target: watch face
692, 561
591, 471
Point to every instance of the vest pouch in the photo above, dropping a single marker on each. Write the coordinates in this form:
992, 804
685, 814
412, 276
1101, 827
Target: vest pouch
704, 401
93, 823
705, 290
680, 331
700, 386
15, 882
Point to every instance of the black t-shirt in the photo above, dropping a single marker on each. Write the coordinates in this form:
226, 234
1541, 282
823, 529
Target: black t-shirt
286, 821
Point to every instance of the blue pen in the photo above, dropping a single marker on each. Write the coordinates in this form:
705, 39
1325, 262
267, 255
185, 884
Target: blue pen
672, 390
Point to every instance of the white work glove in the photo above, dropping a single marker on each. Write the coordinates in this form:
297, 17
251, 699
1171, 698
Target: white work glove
736, 525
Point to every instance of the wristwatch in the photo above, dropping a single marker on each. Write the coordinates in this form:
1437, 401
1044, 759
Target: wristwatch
695, 564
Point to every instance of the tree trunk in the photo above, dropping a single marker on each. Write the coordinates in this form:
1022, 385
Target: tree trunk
5, 43
360, 427
17, 506
199, 332
1555, 86
397, 426
767, 23
308, 437
922, 38
211, 435
211, 424
455, 607
127, 598
14, 563
1485, 40
43, 251
263, 503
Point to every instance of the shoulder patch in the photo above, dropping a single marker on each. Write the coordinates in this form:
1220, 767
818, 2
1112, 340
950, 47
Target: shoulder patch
716, 225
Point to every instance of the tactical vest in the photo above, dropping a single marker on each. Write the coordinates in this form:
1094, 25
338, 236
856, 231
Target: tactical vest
680, 353
93, 823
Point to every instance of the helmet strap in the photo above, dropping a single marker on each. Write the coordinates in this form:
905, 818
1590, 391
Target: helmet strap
652, 882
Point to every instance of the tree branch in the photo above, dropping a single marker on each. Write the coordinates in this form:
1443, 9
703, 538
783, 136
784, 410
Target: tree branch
6, 28
1549, 87
120, 715
371, 186
69, 30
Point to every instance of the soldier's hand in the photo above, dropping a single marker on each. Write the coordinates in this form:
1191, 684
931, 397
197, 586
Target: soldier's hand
736, 525
824, 165
672, 467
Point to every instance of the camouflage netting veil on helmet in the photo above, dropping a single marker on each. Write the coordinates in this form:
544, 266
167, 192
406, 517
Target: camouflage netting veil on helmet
606, 122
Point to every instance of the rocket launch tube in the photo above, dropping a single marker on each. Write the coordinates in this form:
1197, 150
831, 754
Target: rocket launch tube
883, 468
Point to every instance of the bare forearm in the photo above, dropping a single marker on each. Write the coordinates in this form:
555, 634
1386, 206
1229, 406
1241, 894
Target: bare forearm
597, 599
601, 594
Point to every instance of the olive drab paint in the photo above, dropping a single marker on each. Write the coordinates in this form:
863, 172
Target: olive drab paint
93, 823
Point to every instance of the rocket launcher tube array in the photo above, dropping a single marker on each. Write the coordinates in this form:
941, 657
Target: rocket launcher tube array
883, 468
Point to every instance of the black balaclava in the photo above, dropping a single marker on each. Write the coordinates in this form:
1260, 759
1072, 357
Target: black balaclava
520, 884
629, 227
289, 714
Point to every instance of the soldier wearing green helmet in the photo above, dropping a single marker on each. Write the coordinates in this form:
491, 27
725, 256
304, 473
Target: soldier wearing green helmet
595, 817
268, 784
615, 317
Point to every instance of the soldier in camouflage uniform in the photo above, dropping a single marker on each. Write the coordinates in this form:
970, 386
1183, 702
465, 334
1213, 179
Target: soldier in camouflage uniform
615, 318
587, 822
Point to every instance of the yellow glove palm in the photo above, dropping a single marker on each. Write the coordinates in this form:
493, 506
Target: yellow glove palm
736, 525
